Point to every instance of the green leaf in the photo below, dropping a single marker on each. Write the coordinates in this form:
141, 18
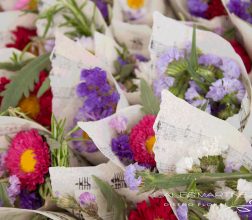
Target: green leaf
23, 82
13, 66
193, 62
114, 201
177, 68
44, 87
150, 102
4, 195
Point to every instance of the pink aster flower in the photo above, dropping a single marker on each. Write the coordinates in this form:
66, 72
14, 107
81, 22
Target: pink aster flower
142, 140
21, 4
28, 158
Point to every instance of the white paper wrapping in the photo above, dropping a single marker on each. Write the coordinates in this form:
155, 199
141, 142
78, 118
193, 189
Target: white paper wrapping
7, 4
10, 20
102, 134
181, 9
168, 33
68, 59
79, 179
185, 131
58, 19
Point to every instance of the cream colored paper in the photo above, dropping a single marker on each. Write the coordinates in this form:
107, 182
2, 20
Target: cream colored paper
79, 179
102, 134
7, 5
180, 8
184, 131
10, 20
163, 38
58, 19
65, 76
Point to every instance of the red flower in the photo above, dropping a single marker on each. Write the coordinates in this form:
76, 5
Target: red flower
158, 208
3, 82
243, 54
39, 109
142, 140
215, 8
22, 36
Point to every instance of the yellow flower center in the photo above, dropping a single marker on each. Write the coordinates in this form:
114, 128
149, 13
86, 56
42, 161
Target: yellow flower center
27, 161
30, 106
85, 136
33, 4
150, 143
135, 4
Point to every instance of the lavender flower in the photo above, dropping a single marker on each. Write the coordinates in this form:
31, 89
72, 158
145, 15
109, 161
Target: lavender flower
129, 176
241, 9
200, 103
170, 55
49, 45
163, 82
119, 123
182, 212
87, 198
226, 86
210, 59
197, 7
121, 148
230, 68
14, 188
30, 200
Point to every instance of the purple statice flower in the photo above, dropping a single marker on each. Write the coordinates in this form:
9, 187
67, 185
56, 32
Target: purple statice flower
169, 56
121, 61
245, 211
230, 68
100, 99
163, 82
87, 198
200, 103
241, 9
226, 86
210, 59
192, 94
130, 176
182, 212
232, 166
103, 7
87, 145
197, 7
14, 189
30, 200
121, 147
119, 123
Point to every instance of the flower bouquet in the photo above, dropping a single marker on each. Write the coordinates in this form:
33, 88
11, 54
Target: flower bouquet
203, 75
82, 79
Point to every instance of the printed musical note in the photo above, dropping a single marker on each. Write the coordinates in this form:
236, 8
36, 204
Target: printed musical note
118, 181
83, 183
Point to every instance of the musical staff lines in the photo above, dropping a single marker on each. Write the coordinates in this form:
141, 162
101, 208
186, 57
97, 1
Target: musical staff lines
83, 183
118, 181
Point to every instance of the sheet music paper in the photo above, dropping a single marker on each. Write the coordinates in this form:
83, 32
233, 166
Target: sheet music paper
102, 134
13, 19
163, 38
79, 179
183, 131
65, 76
